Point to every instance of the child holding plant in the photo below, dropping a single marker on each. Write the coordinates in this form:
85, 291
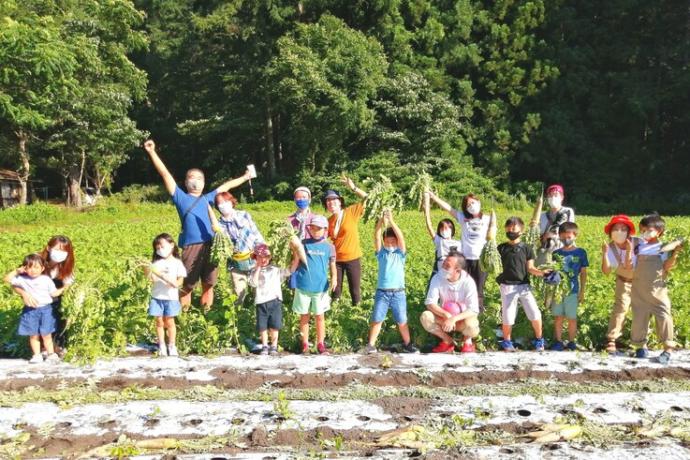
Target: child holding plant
391, 253
267, 279
37, 320
167, 272
443, 237
312, 282
649, 292
575, 265
617, 257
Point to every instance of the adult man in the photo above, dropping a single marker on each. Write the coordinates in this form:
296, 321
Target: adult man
452, 305
197, 234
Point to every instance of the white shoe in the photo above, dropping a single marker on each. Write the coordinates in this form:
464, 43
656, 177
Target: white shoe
172, 350
162, 351
35, 359
53, 358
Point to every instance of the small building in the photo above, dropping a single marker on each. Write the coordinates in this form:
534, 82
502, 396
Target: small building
9, 188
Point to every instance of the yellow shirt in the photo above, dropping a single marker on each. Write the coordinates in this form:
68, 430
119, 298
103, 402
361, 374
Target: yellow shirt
346, 242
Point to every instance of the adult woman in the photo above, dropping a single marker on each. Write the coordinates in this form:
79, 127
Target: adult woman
474, 226
343, 231
301, 217
551, 219
245, 235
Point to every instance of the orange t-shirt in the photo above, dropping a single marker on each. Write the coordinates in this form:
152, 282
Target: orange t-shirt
347, 241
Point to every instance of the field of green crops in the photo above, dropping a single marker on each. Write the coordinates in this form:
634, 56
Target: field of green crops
108, 308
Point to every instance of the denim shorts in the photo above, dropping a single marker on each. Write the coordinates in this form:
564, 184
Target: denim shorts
396, 300
160, 307
36, 321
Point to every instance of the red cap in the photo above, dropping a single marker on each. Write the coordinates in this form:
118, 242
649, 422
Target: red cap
620, 219
261, 250
555, 188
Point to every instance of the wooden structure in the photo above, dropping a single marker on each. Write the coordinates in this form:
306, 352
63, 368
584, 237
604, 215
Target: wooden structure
9, 188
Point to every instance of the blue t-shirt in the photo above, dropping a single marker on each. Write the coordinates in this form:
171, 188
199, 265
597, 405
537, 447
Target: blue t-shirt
391, 269
313, 277
573, 262
196, 227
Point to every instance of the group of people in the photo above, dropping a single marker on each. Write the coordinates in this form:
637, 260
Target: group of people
327, 250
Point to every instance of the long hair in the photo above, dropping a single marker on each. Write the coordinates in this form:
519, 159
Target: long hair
62, 243
169, 239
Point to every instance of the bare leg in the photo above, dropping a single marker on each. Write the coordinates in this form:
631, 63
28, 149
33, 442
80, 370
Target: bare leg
320, 328
374, 331
536, 325
304, 327
206, 296
160, 330
186, 298
35, 344
572, 329
558, 328
264, 337
273, 333
404, 333
48, 343
507, 331
169, 322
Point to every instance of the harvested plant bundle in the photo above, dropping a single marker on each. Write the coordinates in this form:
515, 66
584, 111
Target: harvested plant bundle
490, 260
381, 196
281, 239
533, 236
421, 185
221, 249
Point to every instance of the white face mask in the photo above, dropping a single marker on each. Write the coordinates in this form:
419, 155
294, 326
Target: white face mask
447, 274
164, 251
554, 202
649, 234
474, 208
194, 185
389, 248
57, 255
445, 234
225, 208
619, 236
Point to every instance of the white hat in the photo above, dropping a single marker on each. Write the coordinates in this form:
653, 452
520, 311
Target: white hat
302, 189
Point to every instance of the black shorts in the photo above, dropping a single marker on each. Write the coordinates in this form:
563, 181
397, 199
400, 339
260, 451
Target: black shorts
269, 315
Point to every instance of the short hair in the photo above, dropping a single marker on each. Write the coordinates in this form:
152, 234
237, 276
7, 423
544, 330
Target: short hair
465, 202
449, 223
192, 170
655, 221
461, 261
34, 259
226, 196
568, 227
390, 233
514, 220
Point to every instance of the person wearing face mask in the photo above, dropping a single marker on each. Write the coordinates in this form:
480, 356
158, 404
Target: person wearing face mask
167, 273
452, 284
391, 254
474, 226
617, 256
197, 232
575, 263
245, 235
344, 232
443, 238
552, 218
649, 294
299, 220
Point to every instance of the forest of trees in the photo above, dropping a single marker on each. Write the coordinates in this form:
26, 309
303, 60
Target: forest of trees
490, 96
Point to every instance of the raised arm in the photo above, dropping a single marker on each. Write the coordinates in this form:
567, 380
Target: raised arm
427, 215
441, 204
398, 233
349, 183
168, 179
671, 261
378, 239
605, 264
214, 220
234, 183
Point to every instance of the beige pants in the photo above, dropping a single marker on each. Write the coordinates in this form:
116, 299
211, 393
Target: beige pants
621, 306
469, 327
650, 298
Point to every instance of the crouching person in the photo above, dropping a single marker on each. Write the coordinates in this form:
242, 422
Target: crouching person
452, 305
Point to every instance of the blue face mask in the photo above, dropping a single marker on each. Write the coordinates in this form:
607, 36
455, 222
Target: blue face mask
302, 204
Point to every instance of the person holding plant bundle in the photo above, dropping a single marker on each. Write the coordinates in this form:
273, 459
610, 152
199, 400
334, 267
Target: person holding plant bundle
300, 218
391, 253
316, 273
452, 305
167, 272
343, 231
443, 237
475, 226
649, 294
245, 235
618, 257
37, 320
197, 234
552, 219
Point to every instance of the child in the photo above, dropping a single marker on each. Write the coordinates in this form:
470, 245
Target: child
167, 273
37, 320
390, 292
575, 265
518, 263
617, 256
649, 292
442, 238
312, 282
267, 279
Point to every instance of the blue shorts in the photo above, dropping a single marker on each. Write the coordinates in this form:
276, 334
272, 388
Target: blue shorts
160, 307
396, 300
37, 321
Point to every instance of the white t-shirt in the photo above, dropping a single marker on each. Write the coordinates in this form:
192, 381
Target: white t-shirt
39, 288
172, 268
473, 234
269, 286
649, 249
443, 247
463, 290
55, 271
611, 256
568, 215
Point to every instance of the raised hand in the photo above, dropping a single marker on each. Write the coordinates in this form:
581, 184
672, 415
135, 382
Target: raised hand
150, 146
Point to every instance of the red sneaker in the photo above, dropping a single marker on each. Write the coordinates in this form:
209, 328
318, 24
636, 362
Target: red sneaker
305, 348
443, 347
321, 347
468, 347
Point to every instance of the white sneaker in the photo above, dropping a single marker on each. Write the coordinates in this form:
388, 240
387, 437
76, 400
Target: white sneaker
162, 351
35, 359
53, 358
172, 350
